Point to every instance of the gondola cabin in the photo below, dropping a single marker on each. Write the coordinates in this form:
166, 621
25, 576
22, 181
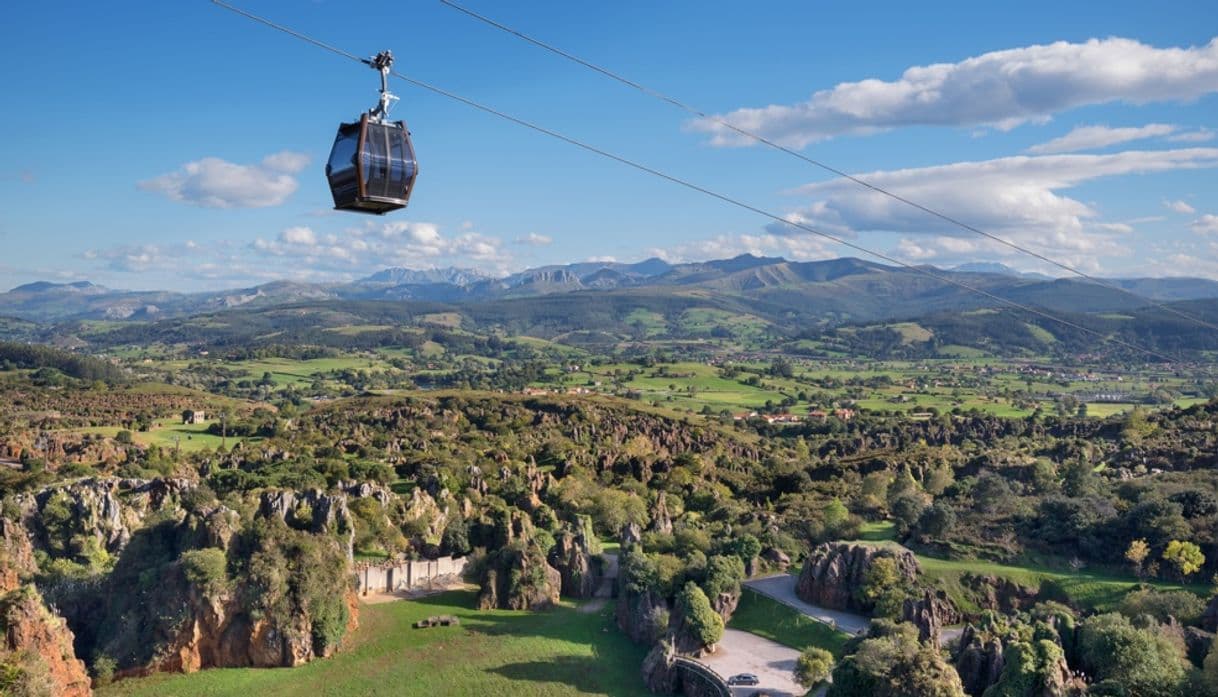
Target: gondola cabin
372, 166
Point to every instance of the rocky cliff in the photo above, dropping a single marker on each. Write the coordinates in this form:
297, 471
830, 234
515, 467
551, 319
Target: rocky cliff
834, 572
156, 575
572, 557
36, 649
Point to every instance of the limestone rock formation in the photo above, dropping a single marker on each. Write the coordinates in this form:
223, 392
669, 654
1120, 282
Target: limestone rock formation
661, 520
325, 513
104, 509
660, 673
930, 613
427, 514
517, 577
979, 660
834, 571
571, 556
999, 594
639, 615
38, 644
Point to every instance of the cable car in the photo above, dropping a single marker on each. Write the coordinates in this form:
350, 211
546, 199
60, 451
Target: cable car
372, 166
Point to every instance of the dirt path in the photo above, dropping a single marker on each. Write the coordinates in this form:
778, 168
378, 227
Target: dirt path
605, 590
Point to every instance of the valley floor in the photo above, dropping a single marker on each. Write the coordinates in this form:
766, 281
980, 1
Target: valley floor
559, 652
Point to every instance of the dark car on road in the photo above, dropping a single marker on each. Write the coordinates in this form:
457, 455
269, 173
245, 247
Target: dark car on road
743, 679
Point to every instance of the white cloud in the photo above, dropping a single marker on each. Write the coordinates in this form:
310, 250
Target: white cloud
1001, 88
1200, 135
215, 183
765, 244
534, 239
299, 235
1205, 225
1095, 137
1180, 207
603, 259
1016, 197
286, 161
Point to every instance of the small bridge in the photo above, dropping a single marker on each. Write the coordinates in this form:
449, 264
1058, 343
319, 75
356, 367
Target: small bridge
697, 672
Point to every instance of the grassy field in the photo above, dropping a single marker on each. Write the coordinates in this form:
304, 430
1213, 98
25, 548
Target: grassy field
1090, 590
559, 652
171, 433
771, 619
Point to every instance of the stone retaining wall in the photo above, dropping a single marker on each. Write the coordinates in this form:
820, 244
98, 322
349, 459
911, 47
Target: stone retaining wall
415, 574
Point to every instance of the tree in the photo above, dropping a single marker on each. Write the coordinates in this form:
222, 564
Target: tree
701, 620
1186, 556
1144, 661
1136, 554
891, 663
938, 520
813, 666
884, 587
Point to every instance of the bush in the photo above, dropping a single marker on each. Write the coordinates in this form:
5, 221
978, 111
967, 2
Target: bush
703, 623
103, 670
206, 569
1161, 605
813, 666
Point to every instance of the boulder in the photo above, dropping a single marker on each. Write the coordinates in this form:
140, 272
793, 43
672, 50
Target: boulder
661, 521
833, 573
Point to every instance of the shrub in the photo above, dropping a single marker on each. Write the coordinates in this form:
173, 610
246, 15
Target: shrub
206, 569
704, 624
813, 666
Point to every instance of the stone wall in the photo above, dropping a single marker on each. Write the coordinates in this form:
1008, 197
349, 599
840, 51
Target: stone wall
416, 574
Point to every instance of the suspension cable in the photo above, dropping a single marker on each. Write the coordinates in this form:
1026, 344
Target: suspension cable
684, 106
921, 270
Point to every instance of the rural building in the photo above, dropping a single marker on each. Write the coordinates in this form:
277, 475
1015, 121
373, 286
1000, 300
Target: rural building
193, 416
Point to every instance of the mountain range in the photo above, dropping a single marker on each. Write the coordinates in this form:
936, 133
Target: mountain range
834, 291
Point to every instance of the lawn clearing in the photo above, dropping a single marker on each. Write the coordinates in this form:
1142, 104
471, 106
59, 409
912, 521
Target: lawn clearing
497, 652
769, 618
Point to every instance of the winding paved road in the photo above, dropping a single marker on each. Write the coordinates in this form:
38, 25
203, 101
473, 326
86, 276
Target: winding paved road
781, 587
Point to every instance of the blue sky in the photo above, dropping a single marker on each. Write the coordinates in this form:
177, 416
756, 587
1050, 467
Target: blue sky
176, 145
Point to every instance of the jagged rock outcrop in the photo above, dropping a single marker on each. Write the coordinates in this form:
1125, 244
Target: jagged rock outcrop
642, 616
979, 660
777, 558
517, 577
660, 673
930, 613
661, 520
724, 604
33, 641
834, 572
38, 646
631, 534
1198, 643
423, 512
1209, 619
571, 556
104, 509
999, 594
314, 510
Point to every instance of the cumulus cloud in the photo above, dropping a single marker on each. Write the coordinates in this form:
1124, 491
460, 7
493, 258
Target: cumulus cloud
1018, 198
1002, 89
140, 257
299, 235
1180, 207
765, 244
1095, 137
215, 183
534, 239
1205, 225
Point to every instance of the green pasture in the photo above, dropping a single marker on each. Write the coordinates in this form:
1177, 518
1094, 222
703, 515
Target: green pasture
557, 652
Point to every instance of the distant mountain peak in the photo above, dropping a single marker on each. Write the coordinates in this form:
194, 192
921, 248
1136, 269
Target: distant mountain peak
44, 286
402, 276
997, 268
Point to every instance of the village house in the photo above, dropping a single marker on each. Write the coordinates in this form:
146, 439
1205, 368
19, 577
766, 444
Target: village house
193, 416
